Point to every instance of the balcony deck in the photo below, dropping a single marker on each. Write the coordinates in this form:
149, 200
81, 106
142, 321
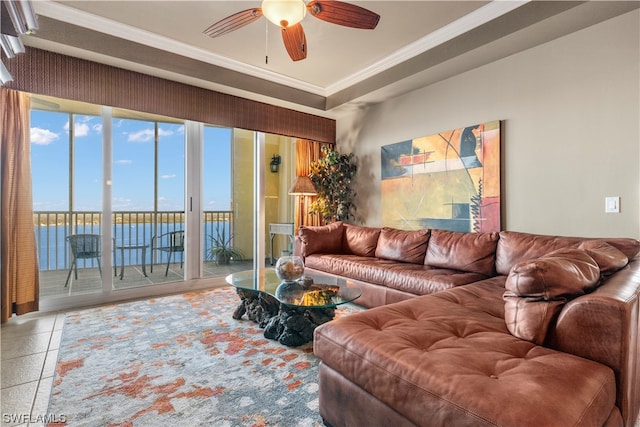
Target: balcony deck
89, 281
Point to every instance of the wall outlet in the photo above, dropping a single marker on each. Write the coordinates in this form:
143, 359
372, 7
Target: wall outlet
612, 204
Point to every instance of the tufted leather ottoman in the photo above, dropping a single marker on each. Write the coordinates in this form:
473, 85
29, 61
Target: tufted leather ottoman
448, 359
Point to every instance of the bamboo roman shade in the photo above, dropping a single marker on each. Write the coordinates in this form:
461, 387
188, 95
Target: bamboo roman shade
42, 72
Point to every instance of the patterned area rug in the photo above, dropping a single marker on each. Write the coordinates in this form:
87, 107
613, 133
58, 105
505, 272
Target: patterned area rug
181, 360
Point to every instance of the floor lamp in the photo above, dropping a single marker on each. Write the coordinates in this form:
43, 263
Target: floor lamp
302, 187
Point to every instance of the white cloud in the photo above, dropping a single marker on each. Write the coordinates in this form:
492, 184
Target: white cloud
97, 127
145, 135
123, 162
81, 129
162, 132
169, 176
41, 136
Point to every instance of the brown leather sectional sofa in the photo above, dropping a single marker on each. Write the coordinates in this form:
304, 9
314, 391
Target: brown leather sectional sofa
478, 329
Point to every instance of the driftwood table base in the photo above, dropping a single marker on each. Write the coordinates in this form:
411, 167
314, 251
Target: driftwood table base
291, 326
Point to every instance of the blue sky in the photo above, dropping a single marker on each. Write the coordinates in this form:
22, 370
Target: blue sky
133, 164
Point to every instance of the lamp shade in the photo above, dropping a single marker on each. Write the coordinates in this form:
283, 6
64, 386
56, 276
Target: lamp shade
284, 12
303, 186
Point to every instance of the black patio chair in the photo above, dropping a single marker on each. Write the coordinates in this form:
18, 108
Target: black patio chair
170, 243
84, 246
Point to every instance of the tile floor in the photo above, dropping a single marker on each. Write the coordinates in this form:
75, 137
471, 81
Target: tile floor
28, 352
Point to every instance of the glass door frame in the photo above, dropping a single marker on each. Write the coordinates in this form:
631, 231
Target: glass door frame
193, 267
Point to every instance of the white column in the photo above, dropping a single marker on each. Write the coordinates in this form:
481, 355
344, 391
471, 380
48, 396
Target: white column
194, 134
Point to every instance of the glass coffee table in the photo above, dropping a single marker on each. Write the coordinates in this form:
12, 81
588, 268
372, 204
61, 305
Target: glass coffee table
289, 311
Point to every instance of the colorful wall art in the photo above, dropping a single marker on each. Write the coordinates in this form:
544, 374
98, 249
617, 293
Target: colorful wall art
449, 181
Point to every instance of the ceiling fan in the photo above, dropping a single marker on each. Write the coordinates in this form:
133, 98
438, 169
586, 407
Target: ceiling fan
288, 13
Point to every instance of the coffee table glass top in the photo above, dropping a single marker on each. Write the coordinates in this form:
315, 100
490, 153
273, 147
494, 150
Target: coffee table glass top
325, 291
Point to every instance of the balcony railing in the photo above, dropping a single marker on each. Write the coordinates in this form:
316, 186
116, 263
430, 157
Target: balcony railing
129, 228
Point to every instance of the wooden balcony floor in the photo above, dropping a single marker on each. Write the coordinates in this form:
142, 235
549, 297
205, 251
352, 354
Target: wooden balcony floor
89, 281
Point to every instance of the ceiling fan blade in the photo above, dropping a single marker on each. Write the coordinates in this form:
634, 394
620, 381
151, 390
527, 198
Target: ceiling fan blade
295, 41
348, 15
233, 22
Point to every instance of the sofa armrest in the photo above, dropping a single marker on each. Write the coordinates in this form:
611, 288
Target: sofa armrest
603, 326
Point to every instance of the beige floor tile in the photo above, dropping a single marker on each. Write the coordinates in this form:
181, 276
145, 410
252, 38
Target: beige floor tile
41, 404
19, 326
59, 322
16, 403
56, 336
20, 370
16, 346
50, 364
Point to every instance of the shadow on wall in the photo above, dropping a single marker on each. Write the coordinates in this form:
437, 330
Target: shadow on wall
366, 193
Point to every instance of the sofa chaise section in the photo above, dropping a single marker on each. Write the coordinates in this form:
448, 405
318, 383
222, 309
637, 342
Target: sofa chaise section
447, 359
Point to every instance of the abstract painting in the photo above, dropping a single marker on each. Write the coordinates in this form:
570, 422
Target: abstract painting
449, 181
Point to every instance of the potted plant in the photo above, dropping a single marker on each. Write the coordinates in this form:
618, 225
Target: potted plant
331, 175
221, 250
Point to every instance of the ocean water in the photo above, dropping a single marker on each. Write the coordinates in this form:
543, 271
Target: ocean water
54, 252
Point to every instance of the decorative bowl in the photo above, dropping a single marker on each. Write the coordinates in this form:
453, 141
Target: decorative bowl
289, 268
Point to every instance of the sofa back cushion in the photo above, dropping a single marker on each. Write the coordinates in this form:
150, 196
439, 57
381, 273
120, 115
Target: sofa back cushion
609, 259
402, 245
514, 247
536, 290
321, 239
361, 241
472, 252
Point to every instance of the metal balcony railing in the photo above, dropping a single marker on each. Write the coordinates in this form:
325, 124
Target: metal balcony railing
129, 228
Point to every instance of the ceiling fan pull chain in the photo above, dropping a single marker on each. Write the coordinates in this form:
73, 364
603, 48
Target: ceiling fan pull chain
266, 42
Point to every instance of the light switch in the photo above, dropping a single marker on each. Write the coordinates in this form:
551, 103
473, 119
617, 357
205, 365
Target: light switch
612, 204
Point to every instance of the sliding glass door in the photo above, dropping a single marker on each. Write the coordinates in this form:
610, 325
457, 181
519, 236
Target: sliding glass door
147, 206
167, 202
67, 175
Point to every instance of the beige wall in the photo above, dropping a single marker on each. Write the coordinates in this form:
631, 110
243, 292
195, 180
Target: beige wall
278, 204
571, 134
243, 190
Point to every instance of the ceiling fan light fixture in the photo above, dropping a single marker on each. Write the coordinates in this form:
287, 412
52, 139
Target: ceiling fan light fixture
284, 13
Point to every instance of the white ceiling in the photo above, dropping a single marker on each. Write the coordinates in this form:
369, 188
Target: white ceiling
416, 43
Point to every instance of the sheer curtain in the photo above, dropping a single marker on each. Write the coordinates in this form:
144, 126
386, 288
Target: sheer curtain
307, 152
19, 260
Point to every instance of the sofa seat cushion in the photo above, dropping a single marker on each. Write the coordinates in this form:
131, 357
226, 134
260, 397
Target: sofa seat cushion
423, 279
367, 269
451, 356
412, 278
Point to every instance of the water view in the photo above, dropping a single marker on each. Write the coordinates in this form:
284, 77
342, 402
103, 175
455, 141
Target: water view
54, 252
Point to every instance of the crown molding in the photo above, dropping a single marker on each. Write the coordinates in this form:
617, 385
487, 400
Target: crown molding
450, 31
83, 19
87, 20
